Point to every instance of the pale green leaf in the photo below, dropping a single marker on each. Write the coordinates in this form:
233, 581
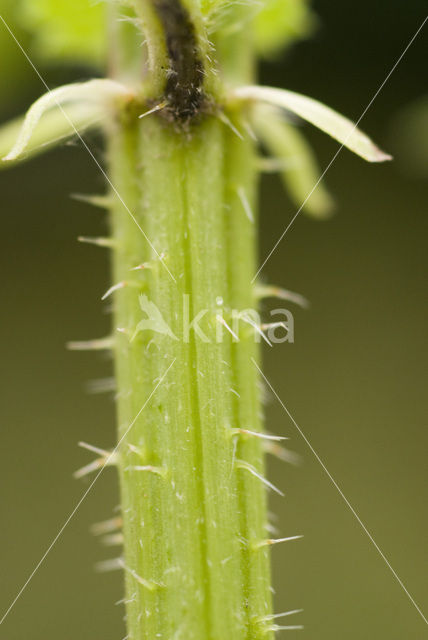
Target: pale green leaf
318, 114
61, 112
300, 173
50, 131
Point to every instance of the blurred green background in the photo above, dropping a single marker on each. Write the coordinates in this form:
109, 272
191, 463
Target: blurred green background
354, 380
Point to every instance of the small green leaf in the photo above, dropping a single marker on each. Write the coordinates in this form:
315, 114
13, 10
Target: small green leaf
60, 113
301, 173
62, 30
318, 114
279, 22
50, 131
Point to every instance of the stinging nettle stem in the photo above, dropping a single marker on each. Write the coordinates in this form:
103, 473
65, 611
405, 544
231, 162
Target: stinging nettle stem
192, 517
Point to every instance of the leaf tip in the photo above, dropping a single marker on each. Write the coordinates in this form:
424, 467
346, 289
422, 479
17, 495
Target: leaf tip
380, 156
9, 157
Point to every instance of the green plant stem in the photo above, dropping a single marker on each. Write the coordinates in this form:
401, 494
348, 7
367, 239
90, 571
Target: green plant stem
192, 513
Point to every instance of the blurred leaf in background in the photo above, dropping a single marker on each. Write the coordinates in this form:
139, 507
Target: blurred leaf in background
409, 136
56, 35
279, 22
66, 31
16, 74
